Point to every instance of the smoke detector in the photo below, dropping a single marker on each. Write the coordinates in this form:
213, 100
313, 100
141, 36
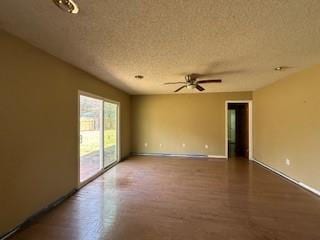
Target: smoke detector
68, 6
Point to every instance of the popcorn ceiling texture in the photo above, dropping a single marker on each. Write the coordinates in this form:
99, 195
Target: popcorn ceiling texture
239, 41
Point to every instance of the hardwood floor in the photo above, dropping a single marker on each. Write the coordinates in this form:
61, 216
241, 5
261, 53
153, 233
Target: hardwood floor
180, 198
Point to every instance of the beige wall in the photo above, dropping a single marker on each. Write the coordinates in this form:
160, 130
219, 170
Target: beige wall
171, 120
38, 127
287, 125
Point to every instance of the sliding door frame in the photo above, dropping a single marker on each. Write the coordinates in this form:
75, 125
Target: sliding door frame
118, 135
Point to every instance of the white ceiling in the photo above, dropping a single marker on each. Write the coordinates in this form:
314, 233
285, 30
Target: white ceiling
240, 41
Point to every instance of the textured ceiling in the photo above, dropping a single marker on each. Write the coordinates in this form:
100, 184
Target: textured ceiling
236, 40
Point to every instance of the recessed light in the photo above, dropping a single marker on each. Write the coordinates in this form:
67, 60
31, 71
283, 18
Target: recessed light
67, 5
138, 77
280, 68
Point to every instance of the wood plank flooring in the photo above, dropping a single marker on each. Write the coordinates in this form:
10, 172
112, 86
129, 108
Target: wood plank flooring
150, 198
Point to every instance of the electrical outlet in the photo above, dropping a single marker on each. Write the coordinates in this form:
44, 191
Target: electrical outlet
288, 162
206, 146
145, 144
183, 145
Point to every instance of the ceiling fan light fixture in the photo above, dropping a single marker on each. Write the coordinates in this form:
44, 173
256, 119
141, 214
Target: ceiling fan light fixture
191, 86
68, 6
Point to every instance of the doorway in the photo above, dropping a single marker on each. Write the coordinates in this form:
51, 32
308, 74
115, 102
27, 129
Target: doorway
98, 135
238, 129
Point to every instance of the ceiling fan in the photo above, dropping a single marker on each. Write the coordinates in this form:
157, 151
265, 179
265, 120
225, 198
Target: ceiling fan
192, 81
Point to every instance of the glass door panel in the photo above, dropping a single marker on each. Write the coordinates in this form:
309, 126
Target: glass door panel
110, 133
90, 137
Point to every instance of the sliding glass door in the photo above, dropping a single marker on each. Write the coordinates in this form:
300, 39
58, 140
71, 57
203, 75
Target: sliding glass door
90, 137
99, 131
110, 133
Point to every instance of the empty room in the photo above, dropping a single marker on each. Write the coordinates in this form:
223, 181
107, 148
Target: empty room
159, 120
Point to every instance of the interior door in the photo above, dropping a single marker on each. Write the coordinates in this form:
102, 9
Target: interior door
242, 139
246, 130
232, 132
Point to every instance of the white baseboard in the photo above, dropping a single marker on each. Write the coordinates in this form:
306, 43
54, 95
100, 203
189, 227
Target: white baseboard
216, 156
178, 155
169, 155
315, 191
301, 184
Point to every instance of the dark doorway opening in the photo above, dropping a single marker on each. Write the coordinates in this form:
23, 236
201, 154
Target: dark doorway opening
238, 130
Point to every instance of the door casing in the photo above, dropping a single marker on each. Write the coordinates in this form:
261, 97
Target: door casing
250, 129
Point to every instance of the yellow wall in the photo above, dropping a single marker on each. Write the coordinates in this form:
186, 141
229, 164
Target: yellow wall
38, 127
171, 120
287, 125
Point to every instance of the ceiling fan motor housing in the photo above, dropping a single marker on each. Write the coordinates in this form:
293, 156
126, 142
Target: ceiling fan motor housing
191, 78
192, 81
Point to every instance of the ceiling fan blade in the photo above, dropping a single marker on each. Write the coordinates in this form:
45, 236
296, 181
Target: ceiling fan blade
168, 83
180, 88
200, 88
210, 74
210, 81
